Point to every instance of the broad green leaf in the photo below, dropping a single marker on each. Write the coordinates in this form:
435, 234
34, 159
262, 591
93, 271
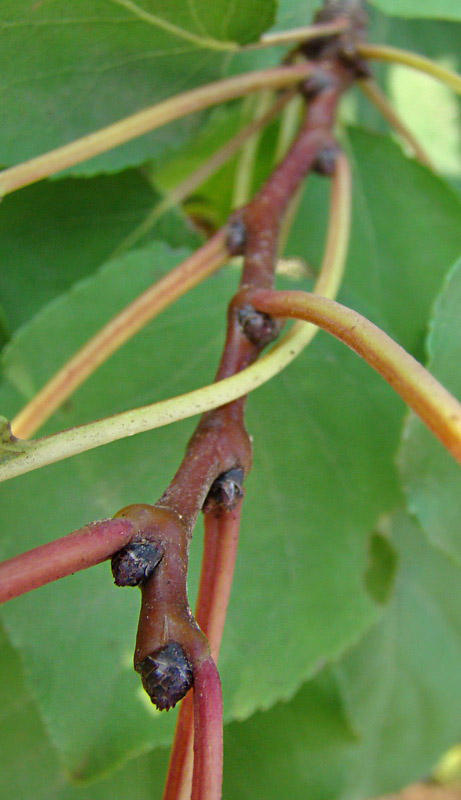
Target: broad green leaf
434, 9
325, 434
29, 767
431, 476
55, 233
402, 682
27, 761
69, 70
301, 749
405, 230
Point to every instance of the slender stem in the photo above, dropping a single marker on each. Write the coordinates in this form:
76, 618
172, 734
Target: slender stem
62, 445
413, 60
118, 330
179, 776
79, 550
148, 120
202, 173
218, 563
208, 735
374, 94
424, 394
222, 533
300, 34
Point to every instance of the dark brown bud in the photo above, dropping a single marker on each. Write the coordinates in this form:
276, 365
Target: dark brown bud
166, 675
135, 563
258, 327
325, 162
236, 235
316, 84
225, 491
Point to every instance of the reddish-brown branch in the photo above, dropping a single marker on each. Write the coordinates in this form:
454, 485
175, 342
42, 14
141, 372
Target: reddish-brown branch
78, 550
221, 443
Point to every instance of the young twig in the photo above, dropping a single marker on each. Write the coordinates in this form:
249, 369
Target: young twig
79, 550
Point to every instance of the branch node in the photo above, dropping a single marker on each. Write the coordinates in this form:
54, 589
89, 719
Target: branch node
166, 675
259, 328
225, 492
136, 562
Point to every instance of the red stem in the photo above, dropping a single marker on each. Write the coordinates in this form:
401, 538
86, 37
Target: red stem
208, 735
78, 550
218, 563
219, 556
221, 536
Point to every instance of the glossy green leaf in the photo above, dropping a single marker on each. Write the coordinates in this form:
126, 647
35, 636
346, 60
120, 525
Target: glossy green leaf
401, 684
55, 233
310, 506
434, 9
432, 478
69, 70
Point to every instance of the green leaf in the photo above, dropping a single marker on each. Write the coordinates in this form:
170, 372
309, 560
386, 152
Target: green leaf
55, 233
434, 9
431, 476
27, 761
405, 230
301, 749
303, 556
67, 71
401, 684
29, 766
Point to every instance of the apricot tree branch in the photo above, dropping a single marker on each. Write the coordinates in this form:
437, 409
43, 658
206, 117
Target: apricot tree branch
219, 450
